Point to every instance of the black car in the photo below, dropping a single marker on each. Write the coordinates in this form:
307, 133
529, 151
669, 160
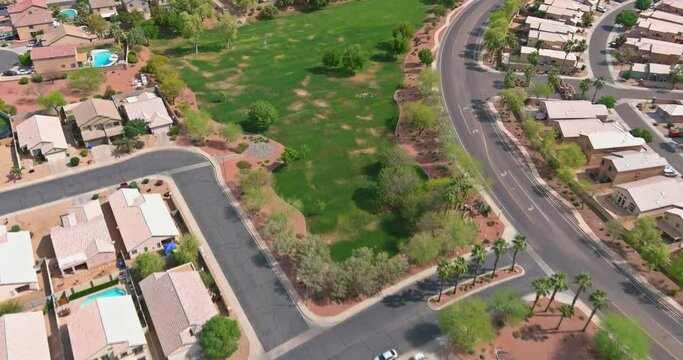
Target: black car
9, 73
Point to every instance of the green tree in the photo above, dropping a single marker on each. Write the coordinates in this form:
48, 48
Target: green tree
467, 323
422, 248
354, 58
541, 89
643, 4
566, 311
615, 229
542, 286
500, 247
510, 80
269, 12
598, 84
231, 132
117, 33
332, 58
146, 264
405, 29
53, 99
508, 306
676, 268
579, 47
553, 78
398, 45
96, 24
17, 171
198, 124
188, 251
559, 284
529, 73
445, 271
203, 8
426, 57
428, 83
219, 337
570, 156
478, 257
513, 99
289, 155
627, 19
620, 337
587, 18
172, 87
137, 36
318, 3
124, 145
676, 75
642, 133
25, 59
600, 301
135, 128
568, 47
284, 3
519, 243
262, 115
395, 183
192, 29
607, 100
228, 28
534, 57
460, 267
583, 281
585, 85
86, 79
420, 116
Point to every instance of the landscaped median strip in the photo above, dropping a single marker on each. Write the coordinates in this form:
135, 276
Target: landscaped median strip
461, 294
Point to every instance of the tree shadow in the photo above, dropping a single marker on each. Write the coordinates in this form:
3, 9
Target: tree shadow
366, 199
338, 73
383, 57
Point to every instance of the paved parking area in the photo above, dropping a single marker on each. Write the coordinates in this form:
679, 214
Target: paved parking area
8, 59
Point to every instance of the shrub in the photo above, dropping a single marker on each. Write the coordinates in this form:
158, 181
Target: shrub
145, 181
132, 59
95, 196
175, 130
628, 75
23, 80
242, 164
439, 10
642, 133
284, 3
219, 337
15, 228
10, 307
74, 161
261, 115
608, 101
139, 144
507, 305
37, 78
84, 152
147, 264
133, 185
269, 13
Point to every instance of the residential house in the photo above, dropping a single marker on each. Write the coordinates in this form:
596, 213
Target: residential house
569, 4
662, 15
105, 8
627, 166
30, 18
573, 109
547, 25
83, 240
654, 51
651, 196
562, 14
56, 58
23, 337
550, 58
671, 6
595, 145
658, 30
650, 72
671, 223
42, 135
149, 107
96, 121
178, 305
143, 220
107, 328
17, 272
137, 5
66, 34
671, 112
550, 40
571, 129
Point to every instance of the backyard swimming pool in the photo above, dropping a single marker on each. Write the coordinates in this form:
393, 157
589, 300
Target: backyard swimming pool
107, 293
101, 57
70, 13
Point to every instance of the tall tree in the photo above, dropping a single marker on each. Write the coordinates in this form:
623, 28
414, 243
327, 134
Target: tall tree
228, 27
478, 257
553, 78
579, 47
534, 58
231, 132
568, 47
420, 116
192, 29
85, 79
467, 323
219, 337
426, 57
16, 171
510, 80
598, 84
53, 99
519, 243
459, 267
559, 284
643, 4
585, 85
620, 337
583, 281
529, 73
600, 301
500, 247
542, 286
445, 271
676, 76
566, 311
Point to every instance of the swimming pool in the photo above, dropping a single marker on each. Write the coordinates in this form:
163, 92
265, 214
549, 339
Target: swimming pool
107, 293
101, 58
70, 13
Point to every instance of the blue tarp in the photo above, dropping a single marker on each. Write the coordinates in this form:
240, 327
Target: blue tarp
168, 248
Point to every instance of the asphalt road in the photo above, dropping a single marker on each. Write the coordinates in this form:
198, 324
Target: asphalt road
269, 308
551, 232
598, 49
8, 59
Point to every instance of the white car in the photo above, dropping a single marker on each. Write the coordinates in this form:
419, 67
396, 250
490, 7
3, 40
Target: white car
670, 171
26, 71
387, 355
419, 356
600, 9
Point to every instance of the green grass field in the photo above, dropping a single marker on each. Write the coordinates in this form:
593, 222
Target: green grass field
345, 120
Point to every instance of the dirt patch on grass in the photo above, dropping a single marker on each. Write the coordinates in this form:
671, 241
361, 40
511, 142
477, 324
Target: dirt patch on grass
230, 82
367, 76
301, 92
242, 65
341, 39
246, 57
346, 127
365, 118
306, 80
360, 141
374, 132
191, 66
280, 56
321, 103
208, 57
370, 150
296, 106
311, 37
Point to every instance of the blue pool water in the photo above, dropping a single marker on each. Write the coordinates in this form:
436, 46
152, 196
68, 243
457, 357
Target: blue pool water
101, 58
108, 293
70, 13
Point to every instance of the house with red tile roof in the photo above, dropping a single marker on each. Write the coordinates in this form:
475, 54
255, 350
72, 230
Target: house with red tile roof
56, 58
17, 273
23, 336
105, 8
179, 305
30, 18
143, 220
83, 240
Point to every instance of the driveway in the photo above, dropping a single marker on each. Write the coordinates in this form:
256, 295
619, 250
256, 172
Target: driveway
8, 59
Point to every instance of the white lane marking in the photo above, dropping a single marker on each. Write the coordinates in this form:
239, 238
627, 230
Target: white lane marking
464, 119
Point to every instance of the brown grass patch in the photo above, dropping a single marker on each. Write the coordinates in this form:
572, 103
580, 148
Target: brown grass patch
296, 106
370, 150
280, 56
321, 103
366, 117
301, 92
306, 80
341, 39
246, 57
346, 126
311, 37
242, 65
360, 141
191, 66
374, 132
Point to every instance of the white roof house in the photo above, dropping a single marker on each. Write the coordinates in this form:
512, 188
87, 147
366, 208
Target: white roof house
149, 107
42, 134
573, 109
651, 68
105, 323
655, 46
568, 4
16, 261
671, 109
660, 26
613, 140
548, 25
650, 194
573, 128
23, 337
635, 160
662, 15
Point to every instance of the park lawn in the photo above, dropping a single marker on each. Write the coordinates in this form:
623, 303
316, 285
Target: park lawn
346, 121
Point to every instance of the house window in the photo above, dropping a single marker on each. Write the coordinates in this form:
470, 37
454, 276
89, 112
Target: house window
146, 249
631, 207
73, 66
63, 66
133, 252
30, 26
158, 245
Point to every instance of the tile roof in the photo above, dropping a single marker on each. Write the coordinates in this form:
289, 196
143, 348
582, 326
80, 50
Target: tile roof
42, 17
91, 108
104, 322
568, 4
51, 52
141, 216
40, 129
656, 46
23, 337
96, 4
654, 193
58, 32
550, 36
660, 26
16, 257
83, 235
177, 302
573, 109
677, 4
548, 25
148, 107
662, 15
23, 5
635, 160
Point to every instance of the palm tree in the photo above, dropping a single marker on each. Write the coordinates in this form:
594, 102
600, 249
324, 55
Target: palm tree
598, 84
579, 47
518, 243
445, 272
459, 266
500, 247
553, 78
529, 73
542, 287
478, 257
583, 280
540, 44
559, 283
16, 171
533, 58
585, 85
510, 42
566, 311
600, 301
568, 47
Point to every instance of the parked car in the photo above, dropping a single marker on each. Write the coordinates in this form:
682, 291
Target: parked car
25, 71
613, 44
600, 9
9, 73
387, 355
419, 356
670, 171
31, 44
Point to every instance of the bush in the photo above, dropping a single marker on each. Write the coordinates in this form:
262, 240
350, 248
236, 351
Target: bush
621, 338
642, 133
37, 78
139, 144
219, 337
10, 307
284, 3
147, 264
439, 10
467, 323
84, 152
15, 228
74, 161
608, 101
242, 164
132, 59
628, 75
23, 80
145, 181
507, 305
95, 196
261, 115
269, 13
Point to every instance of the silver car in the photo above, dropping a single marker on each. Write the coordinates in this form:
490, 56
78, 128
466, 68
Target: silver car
387, 355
